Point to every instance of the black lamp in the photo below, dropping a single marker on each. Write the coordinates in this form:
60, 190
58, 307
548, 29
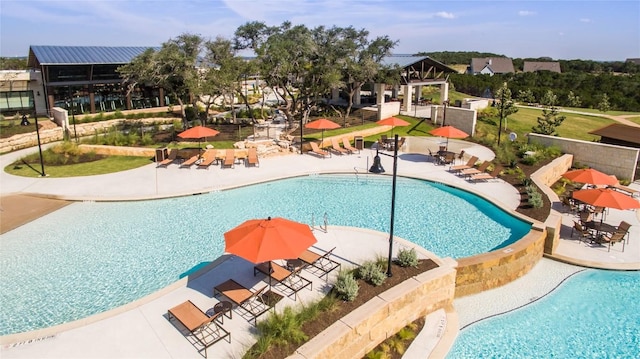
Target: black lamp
376, 167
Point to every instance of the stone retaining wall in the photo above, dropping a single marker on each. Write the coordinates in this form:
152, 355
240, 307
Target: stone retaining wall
383, 316
490, 270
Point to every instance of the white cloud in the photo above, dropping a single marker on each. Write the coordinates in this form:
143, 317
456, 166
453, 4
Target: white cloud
585, 20
526, 13
445, 15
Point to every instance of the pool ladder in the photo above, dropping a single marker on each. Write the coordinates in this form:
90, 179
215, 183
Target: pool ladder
321, 227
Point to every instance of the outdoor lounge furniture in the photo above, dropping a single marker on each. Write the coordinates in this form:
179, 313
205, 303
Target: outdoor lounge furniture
472, 161
624, 228
173, 156
319, 263
203, 327
612, 239
252, 157
474, 171
250, 301
190, 162
208, 157
290, 279
316, 150
391, 143
570, 203
583, 233
445, 157
628, 190
347, 146
336, 147
229, 159
486, 176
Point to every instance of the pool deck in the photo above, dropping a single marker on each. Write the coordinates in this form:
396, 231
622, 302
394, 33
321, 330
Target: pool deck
141, 329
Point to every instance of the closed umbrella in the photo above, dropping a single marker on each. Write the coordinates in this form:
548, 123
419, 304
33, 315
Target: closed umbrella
322, 124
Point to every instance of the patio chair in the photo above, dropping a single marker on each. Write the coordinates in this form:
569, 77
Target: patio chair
570, 203
335, 146
252, 157
320, 263
347, 146
474, 171
204, 328
229, 160
190, 162
249, 301
612, 239
484, 176
290, 279
586, 216
173, 157
624, 227
583, 233
461, 155
317, 151
472, 161
447, 159
208, 157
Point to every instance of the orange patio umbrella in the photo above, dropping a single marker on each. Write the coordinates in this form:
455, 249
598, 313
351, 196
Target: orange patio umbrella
322, 124
198, 132
449, 132
590, 176
393, 122
606, 197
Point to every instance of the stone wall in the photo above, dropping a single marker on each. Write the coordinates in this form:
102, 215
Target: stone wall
380, 318
388, 109
490, 270
461, 118
616, 160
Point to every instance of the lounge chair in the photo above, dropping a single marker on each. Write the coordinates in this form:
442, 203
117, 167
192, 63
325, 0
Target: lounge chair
321, 263
229, 160
190, 162
208, 157
336, 147
252, 157
486, 176
474, 171
250, 301
173, 156
203, 327
472, 161
347, 146
289, 279
316, 150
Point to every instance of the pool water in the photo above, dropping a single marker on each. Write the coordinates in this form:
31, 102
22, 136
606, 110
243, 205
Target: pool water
90, 257
594, 314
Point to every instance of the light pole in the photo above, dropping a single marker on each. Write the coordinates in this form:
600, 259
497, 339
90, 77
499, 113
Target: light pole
35, 113
377, 168
501, 113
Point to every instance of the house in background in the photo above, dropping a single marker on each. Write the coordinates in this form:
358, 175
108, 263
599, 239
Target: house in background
533, 66
491, 65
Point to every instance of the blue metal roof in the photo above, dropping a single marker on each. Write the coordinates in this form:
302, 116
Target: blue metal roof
75, 55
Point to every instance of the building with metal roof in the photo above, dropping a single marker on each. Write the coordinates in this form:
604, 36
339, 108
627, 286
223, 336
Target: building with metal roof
619, 134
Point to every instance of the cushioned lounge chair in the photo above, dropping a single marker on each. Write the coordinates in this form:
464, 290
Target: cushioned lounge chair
316, 150
250, 301
252, 157
472, 161
173, 157
474, 171
208, 157
190, 162
335, 146
347, 146
229, 159
203, 327
319, 263
290, 279
486, 176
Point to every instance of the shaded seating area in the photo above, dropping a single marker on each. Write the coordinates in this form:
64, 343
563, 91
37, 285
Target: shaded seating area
319, 264
251, 302
292, 280
252, 157
317, 151
582, 232
203, 327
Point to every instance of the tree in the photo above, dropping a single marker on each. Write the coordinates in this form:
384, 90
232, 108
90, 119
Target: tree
550, 116
604, 105
505, 106
573, 100
526, 96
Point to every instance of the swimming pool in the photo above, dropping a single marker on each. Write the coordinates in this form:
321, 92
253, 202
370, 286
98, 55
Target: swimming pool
593, 314
89, 257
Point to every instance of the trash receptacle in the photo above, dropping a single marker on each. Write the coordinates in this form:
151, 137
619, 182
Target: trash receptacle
161, 154
358, 142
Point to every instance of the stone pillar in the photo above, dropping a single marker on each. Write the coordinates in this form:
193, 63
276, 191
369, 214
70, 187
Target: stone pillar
444, 91
379, 93
357, 99
161, 95
407, 97
92, 99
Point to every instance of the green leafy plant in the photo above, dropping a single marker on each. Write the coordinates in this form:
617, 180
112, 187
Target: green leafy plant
346, 286
407, 257
535, 200
372, 272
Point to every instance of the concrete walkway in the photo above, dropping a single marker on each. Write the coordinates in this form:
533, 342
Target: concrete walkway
142, 330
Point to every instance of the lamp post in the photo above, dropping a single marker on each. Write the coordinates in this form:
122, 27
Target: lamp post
501, 114
377, 168
73, 118
35, 112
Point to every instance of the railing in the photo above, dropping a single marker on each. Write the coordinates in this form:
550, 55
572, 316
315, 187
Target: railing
321, 227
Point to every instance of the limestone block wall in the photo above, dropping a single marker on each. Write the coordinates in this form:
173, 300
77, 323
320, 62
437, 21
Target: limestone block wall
363, 329
461, 118
490, 270
388, 109
119, 150
616, 160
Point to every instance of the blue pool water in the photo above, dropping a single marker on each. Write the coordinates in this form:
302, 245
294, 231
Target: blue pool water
87, 258
594, 314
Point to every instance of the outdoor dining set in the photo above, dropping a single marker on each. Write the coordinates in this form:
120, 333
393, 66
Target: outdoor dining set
591, 205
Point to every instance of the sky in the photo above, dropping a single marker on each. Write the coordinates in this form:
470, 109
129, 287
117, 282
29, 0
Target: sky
561, 30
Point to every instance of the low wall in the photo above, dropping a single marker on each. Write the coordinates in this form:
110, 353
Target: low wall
461, 118
490, 270
617, 160
383, 316
388, 109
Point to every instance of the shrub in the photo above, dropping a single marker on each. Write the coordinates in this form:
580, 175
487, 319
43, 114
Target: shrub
372, 272
531, 159
407, 258
346, 286
535, 200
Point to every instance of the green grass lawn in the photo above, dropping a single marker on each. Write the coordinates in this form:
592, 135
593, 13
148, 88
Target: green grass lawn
107, 165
